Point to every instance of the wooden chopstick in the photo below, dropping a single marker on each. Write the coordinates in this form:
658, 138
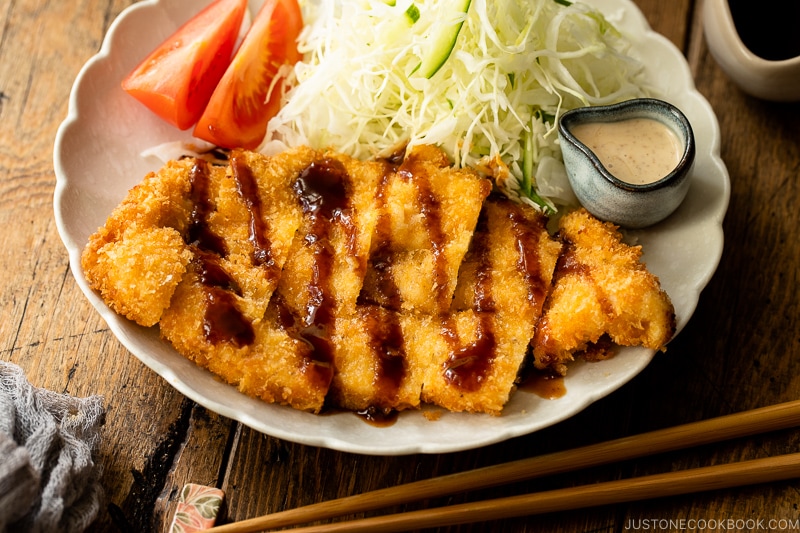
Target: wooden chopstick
742, 424
626, 490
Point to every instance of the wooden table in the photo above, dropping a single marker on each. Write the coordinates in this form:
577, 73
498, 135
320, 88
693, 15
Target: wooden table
741, 349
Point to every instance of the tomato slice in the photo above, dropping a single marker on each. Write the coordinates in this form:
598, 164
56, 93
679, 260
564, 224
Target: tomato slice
177, 79
245, 100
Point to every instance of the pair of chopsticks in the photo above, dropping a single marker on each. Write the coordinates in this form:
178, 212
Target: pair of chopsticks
743, 424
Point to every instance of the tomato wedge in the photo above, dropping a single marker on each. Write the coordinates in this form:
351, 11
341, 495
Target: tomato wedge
177, 79
245, 100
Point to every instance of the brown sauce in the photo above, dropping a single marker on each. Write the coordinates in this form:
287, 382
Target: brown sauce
528, 260
468, 366
430, 209
247, 187
768, 30
547, 385
222, 320
323, 192
318, 366
381, 255
568, 264
484, 301
378, 417
373, 415
211, 273
388, 345
387, 342
199, 234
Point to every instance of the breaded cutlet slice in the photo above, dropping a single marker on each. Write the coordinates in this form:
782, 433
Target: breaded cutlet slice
601, 289
328, 256
376, 367
510, 262
468, 358
219, 313
258, 215
502, 286
138, 257
426, 212
429, 210
256, 355
323, 274
471, 359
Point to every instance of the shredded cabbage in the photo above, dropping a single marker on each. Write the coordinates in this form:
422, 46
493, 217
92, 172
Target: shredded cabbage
516, 66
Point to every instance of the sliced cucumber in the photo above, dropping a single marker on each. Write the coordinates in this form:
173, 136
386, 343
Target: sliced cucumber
412, 14
443, 40
401, 24
527, 162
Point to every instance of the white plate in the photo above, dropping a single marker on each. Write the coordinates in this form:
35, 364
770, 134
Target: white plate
97, 159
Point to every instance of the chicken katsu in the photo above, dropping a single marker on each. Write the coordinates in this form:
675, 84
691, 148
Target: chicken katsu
313, 279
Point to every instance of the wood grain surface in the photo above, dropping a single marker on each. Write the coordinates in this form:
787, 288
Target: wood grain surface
740, 350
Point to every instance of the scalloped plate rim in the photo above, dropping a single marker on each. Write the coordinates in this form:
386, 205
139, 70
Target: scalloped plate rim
345, 431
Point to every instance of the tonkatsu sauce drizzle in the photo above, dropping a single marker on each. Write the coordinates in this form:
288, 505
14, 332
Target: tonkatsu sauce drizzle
222, 321
323, 190
381, 254
468, 366
316, 365
527, 237
199, 234
211, 273
546, 384
430, 209
388, 344
569, 264
377, 417
386, 335
247, 187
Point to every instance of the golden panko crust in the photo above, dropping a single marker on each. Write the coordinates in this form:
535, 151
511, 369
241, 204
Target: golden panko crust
312, 279
601, 289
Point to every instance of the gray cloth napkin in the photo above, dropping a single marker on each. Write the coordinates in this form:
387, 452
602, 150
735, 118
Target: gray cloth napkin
49, 481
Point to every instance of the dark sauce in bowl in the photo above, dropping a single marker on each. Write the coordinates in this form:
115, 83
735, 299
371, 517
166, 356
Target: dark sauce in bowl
768, 30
